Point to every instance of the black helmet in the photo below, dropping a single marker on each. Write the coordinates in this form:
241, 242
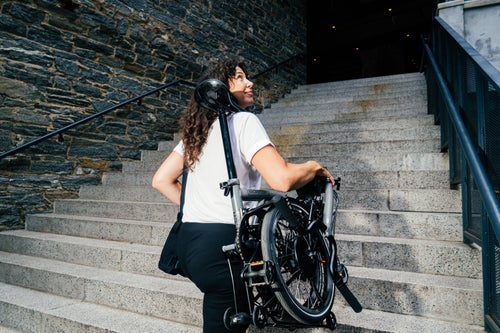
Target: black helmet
214, 95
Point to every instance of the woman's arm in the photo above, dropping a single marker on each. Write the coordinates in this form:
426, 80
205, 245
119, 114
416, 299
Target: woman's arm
166, 177
283, 176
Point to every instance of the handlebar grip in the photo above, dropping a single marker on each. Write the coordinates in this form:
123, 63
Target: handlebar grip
349, 297
337, 183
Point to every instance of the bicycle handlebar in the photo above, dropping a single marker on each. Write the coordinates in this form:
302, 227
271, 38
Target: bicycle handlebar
257, 195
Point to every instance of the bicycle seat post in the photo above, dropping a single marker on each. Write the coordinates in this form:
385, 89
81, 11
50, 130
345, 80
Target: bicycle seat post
214, 95
232, 186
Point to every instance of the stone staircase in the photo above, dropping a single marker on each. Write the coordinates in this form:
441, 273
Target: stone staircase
90, 266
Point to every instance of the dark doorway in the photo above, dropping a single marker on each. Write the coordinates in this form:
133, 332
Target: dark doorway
365, 38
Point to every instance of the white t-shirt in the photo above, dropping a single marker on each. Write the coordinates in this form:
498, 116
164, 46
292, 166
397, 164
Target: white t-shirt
204, 200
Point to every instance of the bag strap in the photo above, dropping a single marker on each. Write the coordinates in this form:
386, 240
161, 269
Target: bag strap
183, 190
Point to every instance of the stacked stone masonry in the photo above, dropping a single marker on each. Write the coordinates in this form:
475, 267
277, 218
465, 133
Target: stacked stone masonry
60, 63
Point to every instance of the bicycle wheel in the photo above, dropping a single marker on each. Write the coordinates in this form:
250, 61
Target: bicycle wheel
303, 284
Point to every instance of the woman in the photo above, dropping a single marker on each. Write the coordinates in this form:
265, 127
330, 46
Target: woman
208, 222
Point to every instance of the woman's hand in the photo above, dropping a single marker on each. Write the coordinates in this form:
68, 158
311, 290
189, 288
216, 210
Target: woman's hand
325, 173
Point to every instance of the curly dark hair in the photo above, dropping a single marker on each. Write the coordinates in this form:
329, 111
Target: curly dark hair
196, 121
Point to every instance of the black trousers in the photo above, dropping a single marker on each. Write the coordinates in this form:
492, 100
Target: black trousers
201, 257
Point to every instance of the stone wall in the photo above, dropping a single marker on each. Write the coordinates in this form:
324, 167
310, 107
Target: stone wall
61, 61
476, 21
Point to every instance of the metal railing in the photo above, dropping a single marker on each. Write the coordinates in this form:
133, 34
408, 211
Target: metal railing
64, 129
138, 98
464, 96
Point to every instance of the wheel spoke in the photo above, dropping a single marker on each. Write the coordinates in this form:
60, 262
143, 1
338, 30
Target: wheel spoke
302, 284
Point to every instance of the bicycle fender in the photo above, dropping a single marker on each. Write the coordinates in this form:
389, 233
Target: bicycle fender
280, 203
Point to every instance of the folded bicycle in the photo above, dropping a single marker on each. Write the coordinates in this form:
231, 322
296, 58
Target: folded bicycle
287, 243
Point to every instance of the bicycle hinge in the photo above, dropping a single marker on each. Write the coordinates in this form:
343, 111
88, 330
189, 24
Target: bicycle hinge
227, 185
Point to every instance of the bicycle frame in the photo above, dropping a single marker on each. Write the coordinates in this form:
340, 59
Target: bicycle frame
213, 94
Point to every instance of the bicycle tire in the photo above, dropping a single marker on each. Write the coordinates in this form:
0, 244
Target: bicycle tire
303, 284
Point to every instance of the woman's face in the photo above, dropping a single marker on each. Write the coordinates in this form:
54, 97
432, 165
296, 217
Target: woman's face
241, 88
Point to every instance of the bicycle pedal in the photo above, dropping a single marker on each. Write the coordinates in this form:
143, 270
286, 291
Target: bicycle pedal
258, 273
257, 263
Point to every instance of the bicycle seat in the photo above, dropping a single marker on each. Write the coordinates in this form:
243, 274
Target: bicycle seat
214, 95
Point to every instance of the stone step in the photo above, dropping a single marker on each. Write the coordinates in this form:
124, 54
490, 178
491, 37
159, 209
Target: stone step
140, 182
144, 294
142, 211
369, 321
137, 208
382, 190
410, 255
167, 145
419, 121
351, 102
156, 295
369, 161
408, 79
121, 230
419, 256
5, 329
389, 162
430, 226
357, 136
327, 114
99, 253
360, 180
116, 190
411, 225
367, 87
35, 311
339, 111
305, 151
413, 294
342, 162
374, 91
402, 200
150, 161
416, 85
359, 148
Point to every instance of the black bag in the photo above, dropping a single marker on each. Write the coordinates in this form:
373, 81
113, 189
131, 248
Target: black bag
169, 261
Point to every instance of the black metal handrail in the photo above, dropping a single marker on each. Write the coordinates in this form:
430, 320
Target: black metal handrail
91, 117
122, 104
297, 56
460, 83
484, 185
